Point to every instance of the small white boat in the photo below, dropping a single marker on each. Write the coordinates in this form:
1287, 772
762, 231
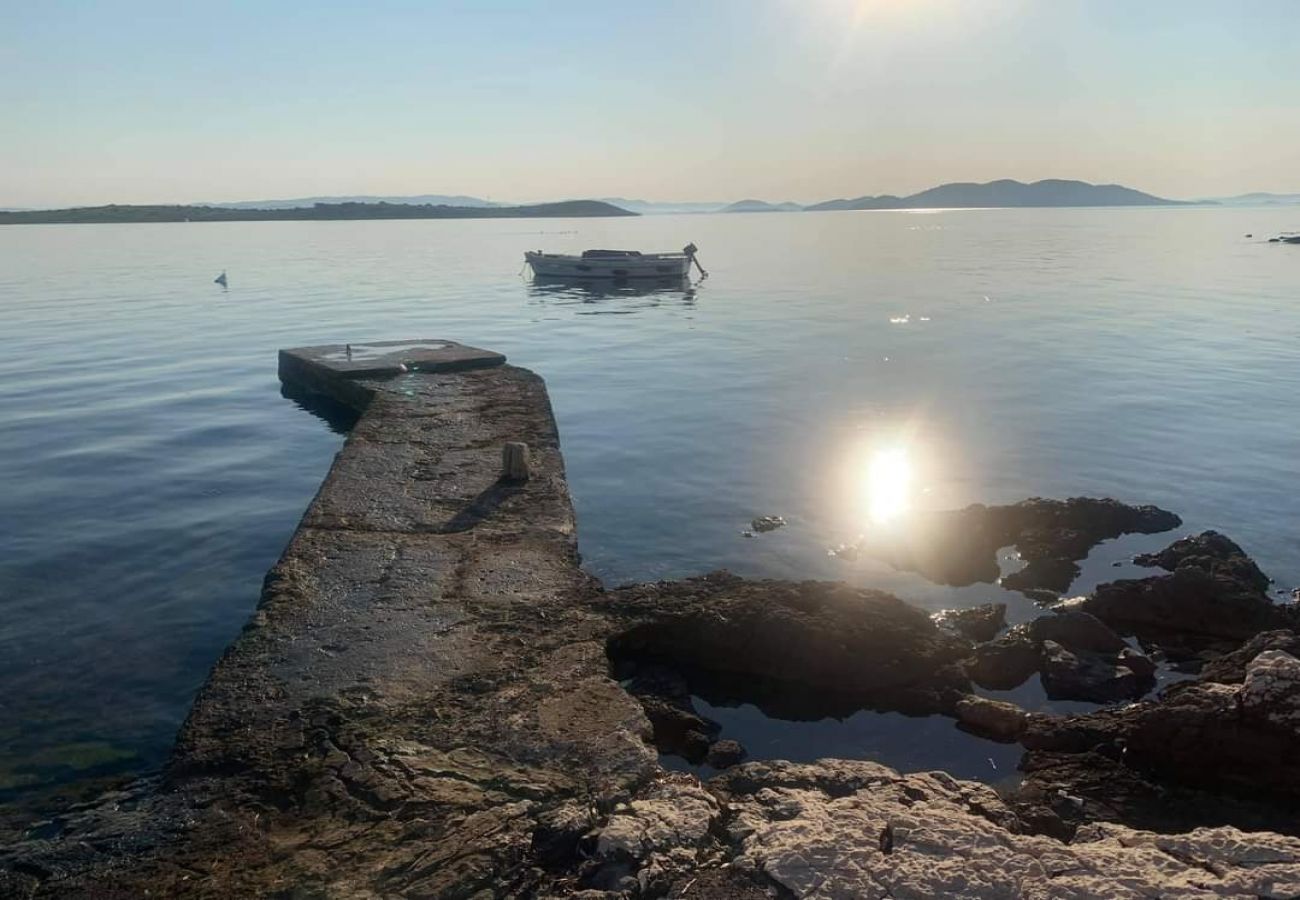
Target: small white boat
612, 264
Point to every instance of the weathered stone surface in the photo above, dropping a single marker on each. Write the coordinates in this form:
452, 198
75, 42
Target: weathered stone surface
678, 727
995, 719
838, 830
960, 547
1203, 752
725, 754
977, 623
1095, 677
1214, 592
1209, 551
1006, 662
1076, 630
834, 645
1271, 690
1230, 668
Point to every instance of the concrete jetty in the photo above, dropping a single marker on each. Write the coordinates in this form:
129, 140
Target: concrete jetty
424, 705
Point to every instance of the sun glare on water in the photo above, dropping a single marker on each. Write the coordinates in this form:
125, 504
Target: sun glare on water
888, 484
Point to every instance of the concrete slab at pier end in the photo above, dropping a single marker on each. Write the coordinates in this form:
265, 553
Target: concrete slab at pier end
335, 369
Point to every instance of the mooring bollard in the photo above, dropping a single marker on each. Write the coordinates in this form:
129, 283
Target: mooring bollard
514, 461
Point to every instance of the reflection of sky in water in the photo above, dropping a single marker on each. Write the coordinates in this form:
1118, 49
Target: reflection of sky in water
906, 743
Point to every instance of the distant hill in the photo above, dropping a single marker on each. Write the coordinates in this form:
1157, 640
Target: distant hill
744, 206
415, 200
1259, 198
665, 207
1004, 193
317, 212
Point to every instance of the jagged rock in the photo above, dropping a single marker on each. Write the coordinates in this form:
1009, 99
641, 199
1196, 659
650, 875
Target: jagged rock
767, 523
802, 644
1076, 630
960, 547
1089, 676
725, 754
996, 719
1211, 552
1231, 667
1230, 749
836, 830
678, 727
1006, 662
1189, 602
977, 623
1271, 690
1135, 662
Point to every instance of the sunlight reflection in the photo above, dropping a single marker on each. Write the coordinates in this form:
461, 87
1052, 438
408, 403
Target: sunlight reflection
889, 484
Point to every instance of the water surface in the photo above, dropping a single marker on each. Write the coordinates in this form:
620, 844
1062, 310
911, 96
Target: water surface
150, 472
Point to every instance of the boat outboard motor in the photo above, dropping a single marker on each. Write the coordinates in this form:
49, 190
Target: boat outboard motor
690, 250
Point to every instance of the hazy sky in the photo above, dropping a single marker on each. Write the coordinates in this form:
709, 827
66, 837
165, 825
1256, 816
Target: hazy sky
138, 102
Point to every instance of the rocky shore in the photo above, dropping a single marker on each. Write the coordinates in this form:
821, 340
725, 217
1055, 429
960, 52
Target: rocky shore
433, 700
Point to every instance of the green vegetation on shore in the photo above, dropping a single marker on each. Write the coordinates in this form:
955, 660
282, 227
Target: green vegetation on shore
317, 212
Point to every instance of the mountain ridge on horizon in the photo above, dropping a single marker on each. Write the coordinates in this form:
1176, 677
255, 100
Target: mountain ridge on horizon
952, 195
1004, 193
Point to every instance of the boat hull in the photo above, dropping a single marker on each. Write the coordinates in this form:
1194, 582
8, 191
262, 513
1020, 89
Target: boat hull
651, 265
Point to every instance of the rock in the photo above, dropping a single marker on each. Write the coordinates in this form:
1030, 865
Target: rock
1203, 752
678, 728
1231, 667
960, 547
1094, 677
977, 623
1135, 662
817, 647
837, 829
995, 719
1192, 601
1271, 691
1211, 552
767, 523
1006, 662
725, 754
558, 833
1076, 630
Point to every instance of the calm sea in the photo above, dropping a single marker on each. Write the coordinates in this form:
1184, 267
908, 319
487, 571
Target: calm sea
150, 472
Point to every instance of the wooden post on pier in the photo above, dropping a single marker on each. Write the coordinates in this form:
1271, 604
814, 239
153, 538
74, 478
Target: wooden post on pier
514, 461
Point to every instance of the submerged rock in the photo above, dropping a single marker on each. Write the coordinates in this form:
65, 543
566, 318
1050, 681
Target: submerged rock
978, 623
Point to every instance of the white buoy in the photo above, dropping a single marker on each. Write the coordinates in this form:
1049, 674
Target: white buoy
220, 279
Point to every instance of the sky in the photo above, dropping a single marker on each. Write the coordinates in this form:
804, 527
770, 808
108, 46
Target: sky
804, 100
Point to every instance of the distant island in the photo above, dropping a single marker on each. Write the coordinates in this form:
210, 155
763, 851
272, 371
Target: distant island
1004, 193
745, 206
409, 200
316, 212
